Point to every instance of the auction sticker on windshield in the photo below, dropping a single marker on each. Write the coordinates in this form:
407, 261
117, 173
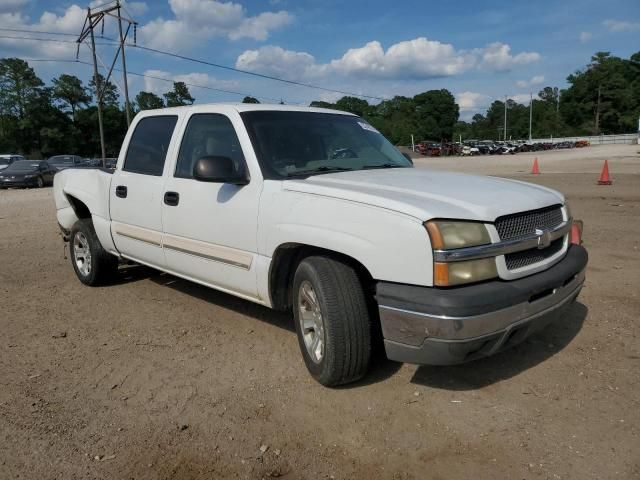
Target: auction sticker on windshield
366, 126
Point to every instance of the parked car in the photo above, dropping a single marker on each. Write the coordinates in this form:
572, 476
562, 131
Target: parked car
27, 173
61, 162
8, 159
247, 199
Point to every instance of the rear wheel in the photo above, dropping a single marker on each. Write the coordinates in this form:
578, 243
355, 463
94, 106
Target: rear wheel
92, 263
332, 320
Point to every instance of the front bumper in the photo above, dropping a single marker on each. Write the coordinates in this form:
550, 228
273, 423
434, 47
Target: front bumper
435, 326
22, 182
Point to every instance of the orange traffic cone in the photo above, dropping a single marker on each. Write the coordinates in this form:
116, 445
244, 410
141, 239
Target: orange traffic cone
604, 176
536, 169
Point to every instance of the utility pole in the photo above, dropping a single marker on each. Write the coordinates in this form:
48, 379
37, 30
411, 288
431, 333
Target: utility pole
94, 18
530, 113
127, 105
505, 118
96, 80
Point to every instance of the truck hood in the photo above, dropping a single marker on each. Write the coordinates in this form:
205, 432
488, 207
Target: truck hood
426, 194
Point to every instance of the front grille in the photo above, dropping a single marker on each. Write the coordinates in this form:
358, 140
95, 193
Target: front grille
526, 223
533, 255
519, 225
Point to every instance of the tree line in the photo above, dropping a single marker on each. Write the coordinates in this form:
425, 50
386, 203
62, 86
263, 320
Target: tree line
41, 120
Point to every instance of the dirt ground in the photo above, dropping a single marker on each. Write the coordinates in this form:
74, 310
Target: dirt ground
155, 377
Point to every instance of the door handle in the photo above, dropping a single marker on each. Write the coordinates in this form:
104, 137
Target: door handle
121, 191
171, 198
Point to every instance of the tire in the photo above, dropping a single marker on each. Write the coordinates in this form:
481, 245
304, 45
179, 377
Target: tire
40, 182
92, 263
343, 325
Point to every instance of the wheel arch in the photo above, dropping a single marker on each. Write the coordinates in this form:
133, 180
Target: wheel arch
285, 261
79, 207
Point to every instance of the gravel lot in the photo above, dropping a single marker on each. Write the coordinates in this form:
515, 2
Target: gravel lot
158, 378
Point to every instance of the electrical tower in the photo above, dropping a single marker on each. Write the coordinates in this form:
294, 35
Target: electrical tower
94, 19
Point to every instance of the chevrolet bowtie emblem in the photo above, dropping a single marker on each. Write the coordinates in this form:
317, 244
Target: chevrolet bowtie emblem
544, 238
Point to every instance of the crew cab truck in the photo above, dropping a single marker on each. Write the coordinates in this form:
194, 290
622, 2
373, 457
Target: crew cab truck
314, 211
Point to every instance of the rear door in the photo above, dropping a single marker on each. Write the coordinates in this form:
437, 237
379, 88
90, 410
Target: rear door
137, 189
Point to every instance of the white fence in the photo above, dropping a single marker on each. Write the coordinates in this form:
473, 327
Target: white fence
628, 138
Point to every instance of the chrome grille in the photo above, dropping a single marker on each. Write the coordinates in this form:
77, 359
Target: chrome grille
529, 257
526, 223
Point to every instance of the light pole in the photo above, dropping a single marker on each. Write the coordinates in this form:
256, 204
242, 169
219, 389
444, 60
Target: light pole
530, 113
505, 118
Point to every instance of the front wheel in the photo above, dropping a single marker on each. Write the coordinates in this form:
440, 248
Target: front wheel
92, 263
332, 320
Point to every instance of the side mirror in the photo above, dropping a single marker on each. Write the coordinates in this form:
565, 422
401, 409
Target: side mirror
408, 157
215, 169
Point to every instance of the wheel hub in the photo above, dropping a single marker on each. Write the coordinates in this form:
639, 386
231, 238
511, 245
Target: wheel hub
82, 253
311, 321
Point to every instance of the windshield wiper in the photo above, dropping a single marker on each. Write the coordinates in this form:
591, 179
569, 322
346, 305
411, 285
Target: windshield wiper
383, 165
318, 170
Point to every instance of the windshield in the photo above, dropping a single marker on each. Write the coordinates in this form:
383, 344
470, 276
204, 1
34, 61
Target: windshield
62, 160
23, 166
291, 144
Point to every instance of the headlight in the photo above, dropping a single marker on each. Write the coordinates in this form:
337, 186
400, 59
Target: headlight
448, 235
29, 176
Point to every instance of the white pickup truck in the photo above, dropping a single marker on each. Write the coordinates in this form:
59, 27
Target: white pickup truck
314, 211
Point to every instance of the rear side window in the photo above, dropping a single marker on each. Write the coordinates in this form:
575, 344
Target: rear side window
149, 143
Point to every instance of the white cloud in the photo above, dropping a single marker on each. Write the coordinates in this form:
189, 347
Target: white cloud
136, 8
197, 20
621, 26
70, 21
7, 6
279, 62
416, 59
472, 101
497, 56
536, 80
522, 98
159, 86
585, 37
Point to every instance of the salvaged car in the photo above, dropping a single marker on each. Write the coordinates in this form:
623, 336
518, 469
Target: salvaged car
313, 211
27, 173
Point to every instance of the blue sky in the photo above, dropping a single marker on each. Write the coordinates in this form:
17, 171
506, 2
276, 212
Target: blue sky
480, 51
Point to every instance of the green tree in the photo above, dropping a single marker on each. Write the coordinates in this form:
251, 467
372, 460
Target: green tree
354, 105
436, 114
19, 85
321, 104
68, 90
250, 100
109, 92
179, 95
149, 101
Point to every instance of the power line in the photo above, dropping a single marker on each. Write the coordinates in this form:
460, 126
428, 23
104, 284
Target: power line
204, 62
246, 72
164, 79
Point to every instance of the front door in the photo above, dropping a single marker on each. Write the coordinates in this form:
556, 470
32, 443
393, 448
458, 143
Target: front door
136, 191
210, 228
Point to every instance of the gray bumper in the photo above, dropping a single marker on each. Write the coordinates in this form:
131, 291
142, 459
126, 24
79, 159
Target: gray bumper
442, 327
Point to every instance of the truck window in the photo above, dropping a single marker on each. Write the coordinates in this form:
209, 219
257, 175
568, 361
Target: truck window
149, 144
208, 134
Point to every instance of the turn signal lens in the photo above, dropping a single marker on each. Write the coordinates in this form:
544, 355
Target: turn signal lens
458, 273
576, 232
447, 234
